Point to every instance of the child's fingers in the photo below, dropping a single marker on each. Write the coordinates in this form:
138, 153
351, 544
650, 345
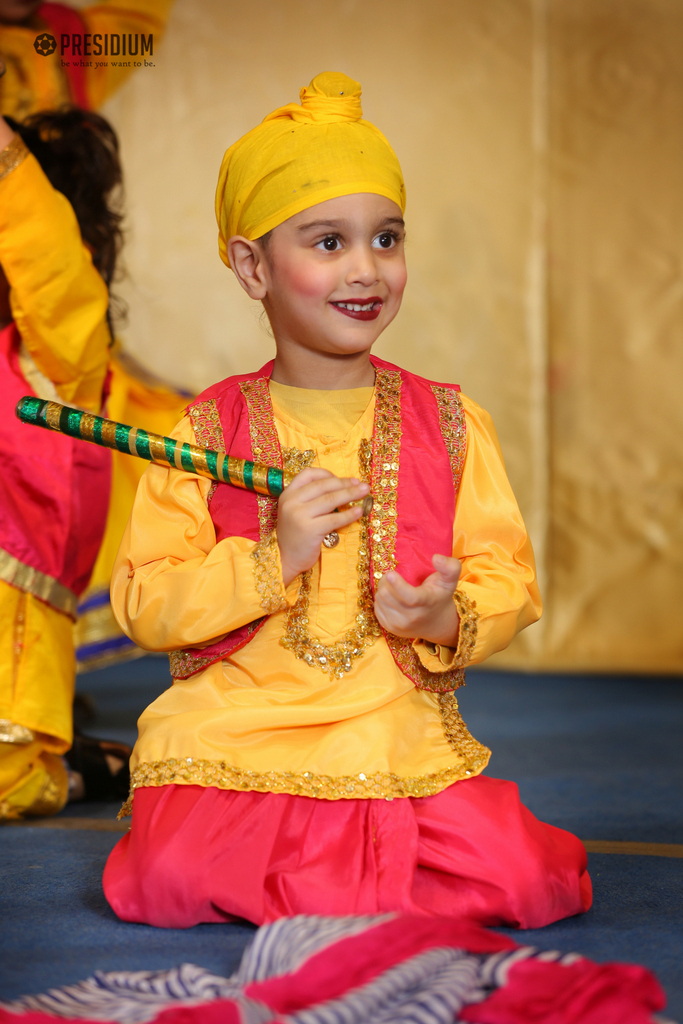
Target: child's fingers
400, 592
329, 487
392, 615
307, 476
447, 571
336, 520
332, 501
322, 497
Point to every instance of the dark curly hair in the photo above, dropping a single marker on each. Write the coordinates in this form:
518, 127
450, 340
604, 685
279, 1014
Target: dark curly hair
79, 152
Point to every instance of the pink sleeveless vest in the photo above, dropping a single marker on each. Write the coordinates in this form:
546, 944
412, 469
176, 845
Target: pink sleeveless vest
54, 495
418, 450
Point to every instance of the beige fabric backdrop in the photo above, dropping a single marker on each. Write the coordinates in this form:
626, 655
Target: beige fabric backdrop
542, 150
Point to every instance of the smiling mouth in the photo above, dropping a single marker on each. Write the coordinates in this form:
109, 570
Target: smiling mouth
368, 310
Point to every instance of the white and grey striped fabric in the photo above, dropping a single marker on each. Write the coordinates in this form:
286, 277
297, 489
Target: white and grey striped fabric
282, 947
134, 997
429, 988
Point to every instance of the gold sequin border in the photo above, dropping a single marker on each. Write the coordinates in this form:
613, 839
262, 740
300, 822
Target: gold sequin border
469, 628
383, 524
31, 581
294, 460
14, 153
453, 428
184, 664
385, 465
12, 732
363, 786
476, 755
265, 448
337, 658
267, 576
265, 444
208, 431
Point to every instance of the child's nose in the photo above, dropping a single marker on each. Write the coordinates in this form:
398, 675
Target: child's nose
363, 267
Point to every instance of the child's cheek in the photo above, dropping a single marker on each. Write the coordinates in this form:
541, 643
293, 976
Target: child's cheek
310, 281
399, 279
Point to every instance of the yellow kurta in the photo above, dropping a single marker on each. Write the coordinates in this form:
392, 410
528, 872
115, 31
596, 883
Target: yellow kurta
59, 303
264, 719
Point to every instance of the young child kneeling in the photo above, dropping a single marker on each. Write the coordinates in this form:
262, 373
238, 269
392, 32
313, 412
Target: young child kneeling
309, 756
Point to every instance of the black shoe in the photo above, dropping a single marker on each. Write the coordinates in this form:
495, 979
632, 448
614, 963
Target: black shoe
88, 757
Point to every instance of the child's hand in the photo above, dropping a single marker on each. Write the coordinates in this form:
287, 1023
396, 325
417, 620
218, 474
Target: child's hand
427, 611
306, 515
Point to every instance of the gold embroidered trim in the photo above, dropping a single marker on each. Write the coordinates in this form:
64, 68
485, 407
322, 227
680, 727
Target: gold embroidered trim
208, 432
469, 627
207, 425
265, 449
183, 664
337, 658
41, 385
376, 786
385, 470
385, 465
12, 732
55, 792
31, 581
14, 153
267, 575
407, 659
294, 460
265, 445
476, 755
51, 797
453, 430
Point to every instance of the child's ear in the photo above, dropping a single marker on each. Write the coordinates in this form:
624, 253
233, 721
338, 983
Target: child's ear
246, 260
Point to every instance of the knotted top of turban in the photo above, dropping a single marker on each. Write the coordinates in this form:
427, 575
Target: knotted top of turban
301, 155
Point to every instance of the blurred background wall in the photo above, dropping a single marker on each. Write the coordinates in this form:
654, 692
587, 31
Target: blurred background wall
542, 147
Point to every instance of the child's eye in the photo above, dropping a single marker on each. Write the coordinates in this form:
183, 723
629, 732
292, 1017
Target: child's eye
330, 244
387, 240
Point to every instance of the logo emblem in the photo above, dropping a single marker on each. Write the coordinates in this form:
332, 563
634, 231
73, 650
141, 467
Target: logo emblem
45, 44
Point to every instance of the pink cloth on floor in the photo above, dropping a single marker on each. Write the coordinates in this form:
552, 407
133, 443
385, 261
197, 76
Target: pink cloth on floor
362, 969
473, 851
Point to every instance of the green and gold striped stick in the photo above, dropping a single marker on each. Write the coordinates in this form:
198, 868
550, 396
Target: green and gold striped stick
164, 451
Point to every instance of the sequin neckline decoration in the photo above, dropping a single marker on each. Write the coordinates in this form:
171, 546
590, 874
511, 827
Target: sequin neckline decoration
338, 658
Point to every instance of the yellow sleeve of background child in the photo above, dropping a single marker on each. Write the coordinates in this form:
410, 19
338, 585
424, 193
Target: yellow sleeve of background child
59, 301
134, 17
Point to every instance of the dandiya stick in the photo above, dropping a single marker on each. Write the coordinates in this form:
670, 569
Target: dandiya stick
164, 451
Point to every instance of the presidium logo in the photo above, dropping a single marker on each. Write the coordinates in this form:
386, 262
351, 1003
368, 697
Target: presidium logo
88, 44
45, 44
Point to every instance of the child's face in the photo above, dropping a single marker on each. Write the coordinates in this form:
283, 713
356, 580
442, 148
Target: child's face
335, 274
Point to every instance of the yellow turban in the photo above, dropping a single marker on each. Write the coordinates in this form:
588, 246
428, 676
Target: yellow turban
300, 156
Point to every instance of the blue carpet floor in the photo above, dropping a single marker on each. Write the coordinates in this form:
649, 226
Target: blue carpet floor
58, 928
601, 756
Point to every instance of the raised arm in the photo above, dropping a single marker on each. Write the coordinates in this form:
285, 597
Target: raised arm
134, 17
57, 298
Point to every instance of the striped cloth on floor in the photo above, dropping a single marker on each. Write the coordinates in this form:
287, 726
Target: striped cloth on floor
386, 969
